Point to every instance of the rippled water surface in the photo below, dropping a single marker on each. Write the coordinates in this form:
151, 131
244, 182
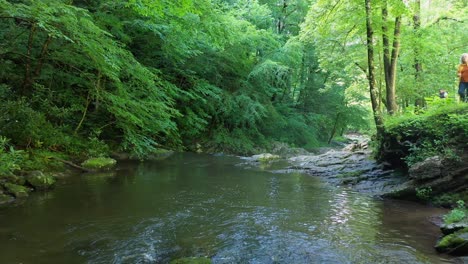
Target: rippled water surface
200, 205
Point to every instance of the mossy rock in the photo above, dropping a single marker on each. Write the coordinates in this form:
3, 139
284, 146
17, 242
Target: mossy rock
159, 154
4, 198
13, 179
16, 190
99, 163
265, 157
40, 181
192, 260
456, 243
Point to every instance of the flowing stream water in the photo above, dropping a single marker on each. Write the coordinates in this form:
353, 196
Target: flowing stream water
214, 206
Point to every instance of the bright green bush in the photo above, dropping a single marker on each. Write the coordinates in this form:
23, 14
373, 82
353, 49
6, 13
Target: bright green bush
457, 214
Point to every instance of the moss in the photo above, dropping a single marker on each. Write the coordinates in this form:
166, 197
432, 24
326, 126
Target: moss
16, 190
159, 154
448, 242
192, 260
267, 157
40, 181
453, 241
99, 163
161, 151
6, 198
351, 174
13, 179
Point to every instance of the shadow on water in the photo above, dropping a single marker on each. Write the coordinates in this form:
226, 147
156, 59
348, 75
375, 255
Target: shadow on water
201, 205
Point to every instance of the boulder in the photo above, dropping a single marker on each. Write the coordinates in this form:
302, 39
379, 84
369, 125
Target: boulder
157, 154
100, 163
40, 181
4, 198
430, 168
265, 157
455, 244
284, 150
453, 227
13, 179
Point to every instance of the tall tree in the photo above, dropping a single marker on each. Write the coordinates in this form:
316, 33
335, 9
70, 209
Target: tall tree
417, 52
390, 56
371, 69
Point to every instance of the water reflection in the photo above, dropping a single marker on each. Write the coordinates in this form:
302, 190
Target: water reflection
199, 205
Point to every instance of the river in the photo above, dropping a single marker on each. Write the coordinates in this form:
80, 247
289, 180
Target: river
214, 206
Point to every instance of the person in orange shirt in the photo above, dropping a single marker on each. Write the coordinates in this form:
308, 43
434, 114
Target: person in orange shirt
463, 74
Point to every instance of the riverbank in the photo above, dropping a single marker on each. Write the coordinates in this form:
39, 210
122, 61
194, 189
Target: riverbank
15, 186
352, 165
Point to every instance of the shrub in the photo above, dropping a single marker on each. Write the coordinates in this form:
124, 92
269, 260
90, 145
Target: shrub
457, 214
10, 158
423, 193
439, 130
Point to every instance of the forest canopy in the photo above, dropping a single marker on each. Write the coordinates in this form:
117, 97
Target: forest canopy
88, 77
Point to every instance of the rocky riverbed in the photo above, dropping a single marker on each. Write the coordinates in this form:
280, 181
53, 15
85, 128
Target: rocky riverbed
351, 165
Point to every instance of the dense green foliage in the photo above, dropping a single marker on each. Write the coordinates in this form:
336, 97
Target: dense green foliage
438, 130
89, 77
432, 39
457, 214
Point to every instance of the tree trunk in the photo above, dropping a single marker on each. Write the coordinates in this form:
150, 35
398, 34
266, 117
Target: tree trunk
335, 126
417, 63
27, 74
281, 22
390, 56
371, 70
417, 26
45, 46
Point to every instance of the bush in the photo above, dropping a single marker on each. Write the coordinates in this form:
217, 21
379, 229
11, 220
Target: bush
25, 126
424, 193
10, 159
436, 131
457, 214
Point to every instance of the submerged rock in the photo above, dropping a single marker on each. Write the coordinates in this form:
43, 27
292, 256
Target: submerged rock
99, 163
